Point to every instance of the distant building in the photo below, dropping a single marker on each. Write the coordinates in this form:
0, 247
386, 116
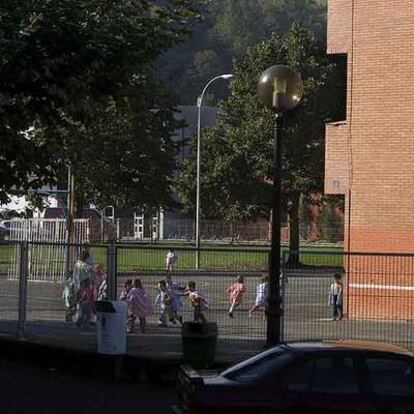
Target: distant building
370, 156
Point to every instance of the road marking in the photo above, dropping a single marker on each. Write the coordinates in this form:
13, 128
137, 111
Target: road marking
385, 287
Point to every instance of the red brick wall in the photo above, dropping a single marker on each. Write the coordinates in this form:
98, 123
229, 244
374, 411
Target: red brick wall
378, 36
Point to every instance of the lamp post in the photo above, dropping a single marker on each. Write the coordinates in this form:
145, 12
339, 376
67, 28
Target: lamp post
279, 89
199, 104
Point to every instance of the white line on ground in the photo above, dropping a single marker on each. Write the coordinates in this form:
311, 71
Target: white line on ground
386, 287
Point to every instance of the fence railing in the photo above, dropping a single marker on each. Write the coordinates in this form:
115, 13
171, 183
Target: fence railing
377, 295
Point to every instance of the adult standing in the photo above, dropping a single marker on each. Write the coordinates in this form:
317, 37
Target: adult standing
82, 270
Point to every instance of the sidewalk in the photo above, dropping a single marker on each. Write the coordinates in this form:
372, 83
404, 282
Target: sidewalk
153, 357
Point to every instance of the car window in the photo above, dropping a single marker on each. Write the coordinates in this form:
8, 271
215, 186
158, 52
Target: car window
391, 376
334, 375
257, 369
299, 379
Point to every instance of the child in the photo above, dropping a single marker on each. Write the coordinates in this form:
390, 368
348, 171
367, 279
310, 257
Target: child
138, 306
85, 299
170, 260
103, 289
175, 290
164, 302
69, 298
126, 289
98, 276
197, 301
336, 296
261, 295
235, 293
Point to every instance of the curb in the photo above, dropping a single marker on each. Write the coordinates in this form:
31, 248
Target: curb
124, 368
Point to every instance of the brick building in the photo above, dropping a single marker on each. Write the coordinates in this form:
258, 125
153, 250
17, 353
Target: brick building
370, 155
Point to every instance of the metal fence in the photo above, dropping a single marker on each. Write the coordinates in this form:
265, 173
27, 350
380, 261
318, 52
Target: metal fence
47, 250
213, 231
218, 270
9, 289
378, 297
378, 290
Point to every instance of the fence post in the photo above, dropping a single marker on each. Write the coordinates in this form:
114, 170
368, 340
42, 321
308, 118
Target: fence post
118, 230
283, 282
112, 271
23, 275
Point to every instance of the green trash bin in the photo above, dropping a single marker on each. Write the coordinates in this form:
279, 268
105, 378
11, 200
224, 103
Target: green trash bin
199, 343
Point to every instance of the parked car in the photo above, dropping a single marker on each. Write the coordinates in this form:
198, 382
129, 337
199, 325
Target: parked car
320, 377
4, 231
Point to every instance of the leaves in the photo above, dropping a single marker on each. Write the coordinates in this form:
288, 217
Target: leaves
63, 64
237, 153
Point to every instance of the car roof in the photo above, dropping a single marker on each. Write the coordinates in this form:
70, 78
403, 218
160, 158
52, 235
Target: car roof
356, 345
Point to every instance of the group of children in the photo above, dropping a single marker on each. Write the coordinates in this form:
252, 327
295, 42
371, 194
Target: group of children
168, 300
237, 290
87, 283
80, 293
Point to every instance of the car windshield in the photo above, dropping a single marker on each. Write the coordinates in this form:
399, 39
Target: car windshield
256, 367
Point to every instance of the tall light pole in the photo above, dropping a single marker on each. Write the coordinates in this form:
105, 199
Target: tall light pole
280, 89
199, 104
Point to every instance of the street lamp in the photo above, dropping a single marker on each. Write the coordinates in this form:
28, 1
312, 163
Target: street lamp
279, 89
199, 103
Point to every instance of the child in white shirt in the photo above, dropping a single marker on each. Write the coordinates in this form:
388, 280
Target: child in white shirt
335, 298
261, 295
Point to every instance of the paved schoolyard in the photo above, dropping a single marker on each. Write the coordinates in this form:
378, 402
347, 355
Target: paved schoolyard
307, 315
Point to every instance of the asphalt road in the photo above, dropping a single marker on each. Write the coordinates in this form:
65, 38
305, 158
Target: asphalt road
27, 389
306, 312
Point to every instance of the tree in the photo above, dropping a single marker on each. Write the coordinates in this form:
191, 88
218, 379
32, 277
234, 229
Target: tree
68, 69
243, 23
237, 153
228, 29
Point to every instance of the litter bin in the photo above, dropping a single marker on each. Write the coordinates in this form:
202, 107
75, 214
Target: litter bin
199, 343
111, 327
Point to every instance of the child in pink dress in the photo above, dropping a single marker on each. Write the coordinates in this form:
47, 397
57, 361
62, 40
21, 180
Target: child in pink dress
85, 298
138, 306
235, 293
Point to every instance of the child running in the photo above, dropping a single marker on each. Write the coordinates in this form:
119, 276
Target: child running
164, 302
261, 295
175, 290
197, 301
69, 298
85, 300
236, 292
138, 306
126, 289
336, 296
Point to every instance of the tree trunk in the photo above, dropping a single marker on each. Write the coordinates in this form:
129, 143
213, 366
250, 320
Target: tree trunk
79, 203
294, 259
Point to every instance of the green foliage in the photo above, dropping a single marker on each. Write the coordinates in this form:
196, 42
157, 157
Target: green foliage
229, 28
242, 23
76, 80
237, 153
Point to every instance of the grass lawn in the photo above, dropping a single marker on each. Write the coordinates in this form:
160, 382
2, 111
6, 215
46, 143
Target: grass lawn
152, 257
